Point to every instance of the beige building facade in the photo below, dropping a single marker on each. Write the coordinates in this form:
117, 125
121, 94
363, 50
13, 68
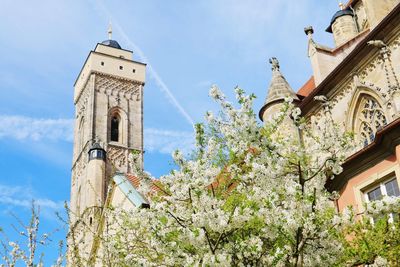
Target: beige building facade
360, 78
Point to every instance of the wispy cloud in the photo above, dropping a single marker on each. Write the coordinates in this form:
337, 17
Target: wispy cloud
36, 129
39, 129
103, 10
164, 141
18, 196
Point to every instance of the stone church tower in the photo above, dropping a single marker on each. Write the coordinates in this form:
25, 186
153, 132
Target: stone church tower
108, 103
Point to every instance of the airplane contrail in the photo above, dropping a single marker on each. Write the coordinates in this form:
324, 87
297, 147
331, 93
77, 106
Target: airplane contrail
103, 11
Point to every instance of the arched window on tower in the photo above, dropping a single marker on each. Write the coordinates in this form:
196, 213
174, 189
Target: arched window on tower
371, 119
115, 120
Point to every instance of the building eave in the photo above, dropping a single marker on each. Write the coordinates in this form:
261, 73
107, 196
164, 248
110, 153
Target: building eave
127, 50
382, 147
106, 55
84, 64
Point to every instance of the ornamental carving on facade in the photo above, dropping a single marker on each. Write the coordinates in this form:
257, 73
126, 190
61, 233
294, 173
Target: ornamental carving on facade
118, 88
343, 92
83, 99
79, 166
117, 156
371, 118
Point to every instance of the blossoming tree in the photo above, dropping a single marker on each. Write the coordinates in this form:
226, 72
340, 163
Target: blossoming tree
375, 238
250, 195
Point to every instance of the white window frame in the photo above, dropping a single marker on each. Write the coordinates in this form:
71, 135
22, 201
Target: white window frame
363, 183
382, 186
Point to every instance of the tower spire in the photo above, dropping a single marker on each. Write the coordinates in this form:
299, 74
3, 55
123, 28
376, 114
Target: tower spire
109, 31
278, 89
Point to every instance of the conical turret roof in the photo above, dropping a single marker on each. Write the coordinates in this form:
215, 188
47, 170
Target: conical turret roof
279, 88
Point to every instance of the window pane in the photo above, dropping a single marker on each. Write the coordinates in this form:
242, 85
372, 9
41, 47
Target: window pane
375, 194
114, 129
392, 188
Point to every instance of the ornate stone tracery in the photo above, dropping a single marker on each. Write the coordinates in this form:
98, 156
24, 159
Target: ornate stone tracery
370, 117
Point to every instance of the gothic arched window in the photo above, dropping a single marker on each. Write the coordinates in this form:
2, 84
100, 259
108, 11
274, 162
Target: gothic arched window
115, 128
371, 117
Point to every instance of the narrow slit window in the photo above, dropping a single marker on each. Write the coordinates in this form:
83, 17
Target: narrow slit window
114, 129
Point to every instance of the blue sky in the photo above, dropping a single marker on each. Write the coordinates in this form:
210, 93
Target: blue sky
188, 46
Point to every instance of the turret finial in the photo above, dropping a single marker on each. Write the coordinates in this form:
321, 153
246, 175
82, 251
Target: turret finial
309, 30
109, 31
274, 64
341, 5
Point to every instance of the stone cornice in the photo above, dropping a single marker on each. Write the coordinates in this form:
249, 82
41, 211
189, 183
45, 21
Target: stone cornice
133, 81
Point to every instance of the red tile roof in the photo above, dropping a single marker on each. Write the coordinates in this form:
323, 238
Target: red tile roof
223, 182
135, 181
307, 88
